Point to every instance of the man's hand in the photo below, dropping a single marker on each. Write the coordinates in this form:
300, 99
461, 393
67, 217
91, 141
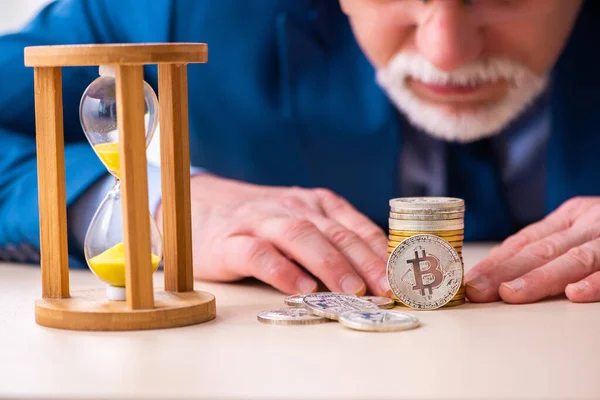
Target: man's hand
560, 254
242, 230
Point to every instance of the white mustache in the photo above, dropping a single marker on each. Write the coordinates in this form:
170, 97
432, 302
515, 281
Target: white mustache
524, 86
473, 74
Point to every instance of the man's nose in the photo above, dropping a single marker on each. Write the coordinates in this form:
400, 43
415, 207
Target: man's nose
447, 37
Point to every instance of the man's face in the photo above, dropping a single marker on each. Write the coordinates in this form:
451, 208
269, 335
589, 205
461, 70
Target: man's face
462, 69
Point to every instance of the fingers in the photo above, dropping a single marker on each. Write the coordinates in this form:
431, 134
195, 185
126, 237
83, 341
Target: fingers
308, 246
250, 256
369, 265
560, 220
483, 283
517, 242
553, 278
338, 209
586, 290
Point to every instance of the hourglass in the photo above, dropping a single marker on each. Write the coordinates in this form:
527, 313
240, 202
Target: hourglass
123, 245
104, 248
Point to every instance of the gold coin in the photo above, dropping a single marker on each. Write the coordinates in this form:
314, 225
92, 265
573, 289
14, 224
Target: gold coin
396, 243
437, 233
391, 250
451, 303
393, 245
455, 238
454, 303
458, 296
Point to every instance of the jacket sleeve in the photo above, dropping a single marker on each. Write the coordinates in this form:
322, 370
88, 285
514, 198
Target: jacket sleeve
61, 22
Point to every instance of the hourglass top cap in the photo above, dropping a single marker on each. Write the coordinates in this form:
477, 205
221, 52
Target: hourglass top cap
115, 54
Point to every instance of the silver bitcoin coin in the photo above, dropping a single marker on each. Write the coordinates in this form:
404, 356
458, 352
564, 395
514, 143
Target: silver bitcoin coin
378, 321
434, 226
290, 316
424, 272
295, 300
427, 217
331, 305
381, 302
427, 204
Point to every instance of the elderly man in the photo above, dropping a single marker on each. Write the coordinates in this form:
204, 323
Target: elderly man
312, 114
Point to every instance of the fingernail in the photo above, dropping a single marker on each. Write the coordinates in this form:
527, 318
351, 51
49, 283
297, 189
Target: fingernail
352, 284
306, 285
384, 285
480, 283
580, 286
515, 285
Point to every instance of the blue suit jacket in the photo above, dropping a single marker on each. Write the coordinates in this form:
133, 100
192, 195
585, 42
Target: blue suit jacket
287, 98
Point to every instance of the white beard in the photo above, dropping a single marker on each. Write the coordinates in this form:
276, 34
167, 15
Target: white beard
485, 121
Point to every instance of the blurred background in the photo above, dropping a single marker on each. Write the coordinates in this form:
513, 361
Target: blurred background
15, 13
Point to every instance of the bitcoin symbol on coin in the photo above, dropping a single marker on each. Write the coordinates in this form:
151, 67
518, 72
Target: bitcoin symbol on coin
423, 277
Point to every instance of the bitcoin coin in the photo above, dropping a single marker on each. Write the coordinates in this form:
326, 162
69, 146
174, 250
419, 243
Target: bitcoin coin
295, 300
456, 238
394, 243
378, 321
381, 302
452, 303
427, 217
393, 247
436, 233
455, 303
331, 305
290, 316
424, 272
429, 226
426, 204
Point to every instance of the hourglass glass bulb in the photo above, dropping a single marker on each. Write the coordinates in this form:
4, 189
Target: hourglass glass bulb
104, 246
98, 115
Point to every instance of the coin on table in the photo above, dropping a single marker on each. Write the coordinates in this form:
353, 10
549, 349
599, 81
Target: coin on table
295, 300
381, 302
378, 321
290, 316
331, 305
425, 272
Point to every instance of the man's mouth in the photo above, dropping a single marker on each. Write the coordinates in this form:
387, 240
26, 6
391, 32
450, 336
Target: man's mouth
460, 95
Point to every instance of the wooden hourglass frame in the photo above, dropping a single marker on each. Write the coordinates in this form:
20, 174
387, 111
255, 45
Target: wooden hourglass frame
178, 304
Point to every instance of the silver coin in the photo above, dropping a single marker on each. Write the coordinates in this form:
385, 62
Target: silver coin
295, 300
427, 217
331, 305
381, 302
433, 226
427, 203
290, 316
427, 211
424, 272
379, 321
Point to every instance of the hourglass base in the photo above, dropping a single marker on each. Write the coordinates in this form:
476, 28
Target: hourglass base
89, 310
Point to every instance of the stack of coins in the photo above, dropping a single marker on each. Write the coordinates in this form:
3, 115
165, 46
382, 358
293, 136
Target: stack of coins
439, 216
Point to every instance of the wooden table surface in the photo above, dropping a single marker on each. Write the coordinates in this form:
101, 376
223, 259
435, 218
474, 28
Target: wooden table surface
547, 350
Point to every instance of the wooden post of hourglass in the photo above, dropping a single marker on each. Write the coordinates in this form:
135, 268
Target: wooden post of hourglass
146, 308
